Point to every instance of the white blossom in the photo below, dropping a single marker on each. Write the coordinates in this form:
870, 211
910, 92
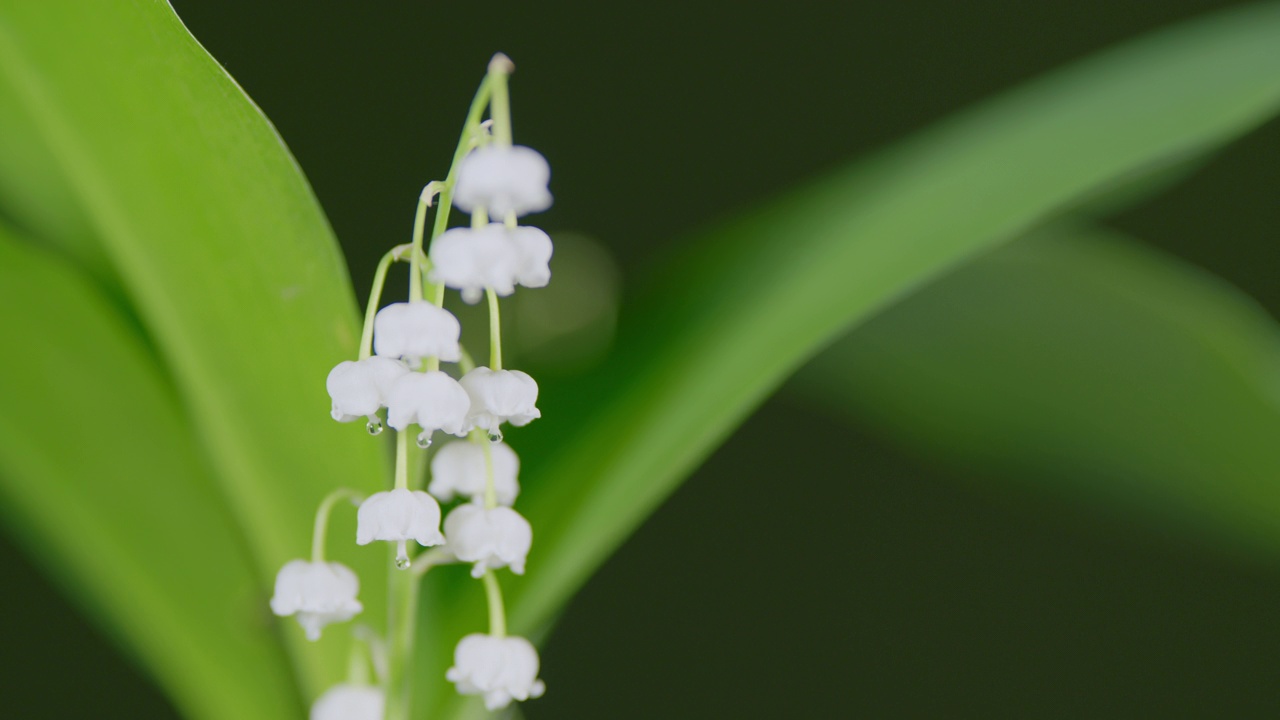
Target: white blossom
501, 669
459, 469
502, 180
399, 515
500, 396
433, 400
494, 257
471, 260
360, 387
349, 702
533, 249
489, 538
415, 330
318, 593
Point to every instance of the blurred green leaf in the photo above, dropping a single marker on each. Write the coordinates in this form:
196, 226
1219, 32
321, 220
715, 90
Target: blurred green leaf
185, 191
112, 497
1088, 363
760, 295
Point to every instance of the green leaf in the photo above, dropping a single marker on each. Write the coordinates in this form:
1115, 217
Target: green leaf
185, 192
761, 295
1090, 363
145, 533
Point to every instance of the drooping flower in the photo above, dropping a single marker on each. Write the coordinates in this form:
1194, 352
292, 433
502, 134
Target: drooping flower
318, 593
494, 257
534, 249
503, 180
415, 330
499, 396
399, 515
489, 538
360, 388
471, 260
433, 400
501, 669
349, 702
459, 469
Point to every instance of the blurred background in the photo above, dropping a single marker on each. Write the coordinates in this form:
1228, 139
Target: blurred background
817, 565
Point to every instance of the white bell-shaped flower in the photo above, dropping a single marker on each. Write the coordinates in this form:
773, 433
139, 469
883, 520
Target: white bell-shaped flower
399, 515
359, 388
459, 469
489, 538
433, 400
471, 260
503, 180
415, 330
501, 669
318, 593
500, 396
533, 256
495, 257
349, 702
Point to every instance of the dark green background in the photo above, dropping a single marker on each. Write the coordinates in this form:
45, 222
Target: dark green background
810, 569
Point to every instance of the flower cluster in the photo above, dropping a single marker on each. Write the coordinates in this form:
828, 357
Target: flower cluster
398, 369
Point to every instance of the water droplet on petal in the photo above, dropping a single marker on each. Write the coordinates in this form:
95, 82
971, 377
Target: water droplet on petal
424, 440
402, 562
374, 426
495, 436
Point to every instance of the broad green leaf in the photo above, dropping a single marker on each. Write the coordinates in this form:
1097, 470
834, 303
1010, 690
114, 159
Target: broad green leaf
147, 534
191, 199
1091, 363
762, 294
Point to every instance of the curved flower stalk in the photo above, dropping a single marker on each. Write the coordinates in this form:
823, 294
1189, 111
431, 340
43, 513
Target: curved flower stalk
315, 592
398, 367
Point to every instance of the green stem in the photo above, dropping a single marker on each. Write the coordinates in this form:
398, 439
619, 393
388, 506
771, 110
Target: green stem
415, 273
492, 591
466, 364
402, 594
470, 127
358, 662
375, 299
322, 519
395, 254
402, 613
434, 557
500, 104
402, 459
403, 586
495, 331
490, 492
497, 613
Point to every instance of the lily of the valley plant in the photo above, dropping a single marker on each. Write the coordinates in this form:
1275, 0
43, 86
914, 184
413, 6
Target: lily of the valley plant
410, 362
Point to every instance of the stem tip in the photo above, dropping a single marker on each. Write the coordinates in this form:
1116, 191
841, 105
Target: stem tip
501, 64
